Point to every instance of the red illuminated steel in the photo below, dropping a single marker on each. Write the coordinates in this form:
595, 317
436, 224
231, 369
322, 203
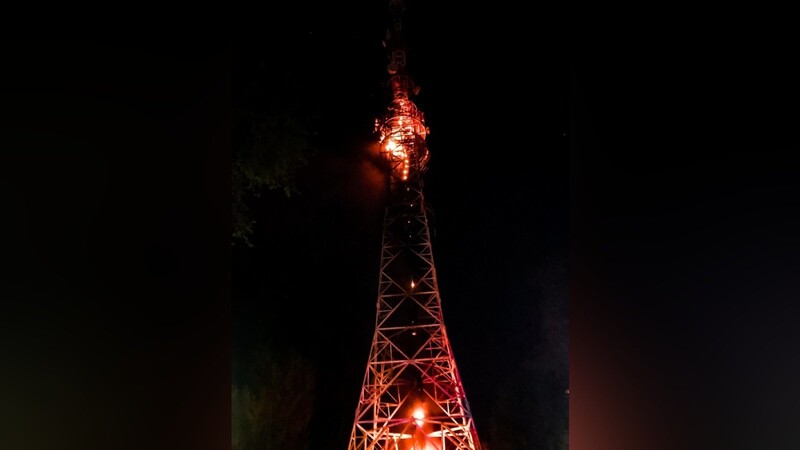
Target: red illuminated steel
412, 397
402, 136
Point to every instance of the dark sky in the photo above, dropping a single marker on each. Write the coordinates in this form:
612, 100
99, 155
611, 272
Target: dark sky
682, 206
684, 219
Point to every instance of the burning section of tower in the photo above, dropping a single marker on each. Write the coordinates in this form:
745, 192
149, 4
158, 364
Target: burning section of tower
412, 397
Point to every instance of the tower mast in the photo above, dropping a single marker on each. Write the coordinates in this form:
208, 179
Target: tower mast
412, 397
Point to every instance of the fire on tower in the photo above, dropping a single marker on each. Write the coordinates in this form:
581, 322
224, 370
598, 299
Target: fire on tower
412, 397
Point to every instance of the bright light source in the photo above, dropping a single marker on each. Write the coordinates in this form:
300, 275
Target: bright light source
418, 415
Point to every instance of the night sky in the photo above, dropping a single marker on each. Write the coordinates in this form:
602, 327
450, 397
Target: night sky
673, 198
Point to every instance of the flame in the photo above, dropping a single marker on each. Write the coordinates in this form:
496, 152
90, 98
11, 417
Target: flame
418, 415
401, 132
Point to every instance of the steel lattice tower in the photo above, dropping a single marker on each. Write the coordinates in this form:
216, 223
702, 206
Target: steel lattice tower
412, 397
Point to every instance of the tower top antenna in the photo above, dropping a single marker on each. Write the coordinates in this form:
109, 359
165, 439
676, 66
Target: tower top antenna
402, 130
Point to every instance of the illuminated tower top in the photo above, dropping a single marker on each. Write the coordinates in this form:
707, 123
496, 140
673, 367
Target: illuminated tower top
402, 129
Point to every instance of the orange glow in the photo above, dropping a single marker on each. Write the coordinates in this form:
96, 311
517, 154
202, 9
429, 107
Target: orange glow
418, 415
392, 146
396, 151
402, 133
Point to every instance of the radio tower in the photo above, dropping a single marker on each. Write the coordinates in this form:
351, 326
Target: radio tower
412, 397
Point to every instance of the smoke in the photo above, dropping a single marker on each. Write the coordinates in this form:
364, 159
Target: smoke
351, 181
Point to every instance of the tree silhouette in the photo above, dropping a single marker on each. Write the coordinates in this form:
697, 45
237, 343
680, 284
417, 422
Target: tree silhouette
274, 120
272, 405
